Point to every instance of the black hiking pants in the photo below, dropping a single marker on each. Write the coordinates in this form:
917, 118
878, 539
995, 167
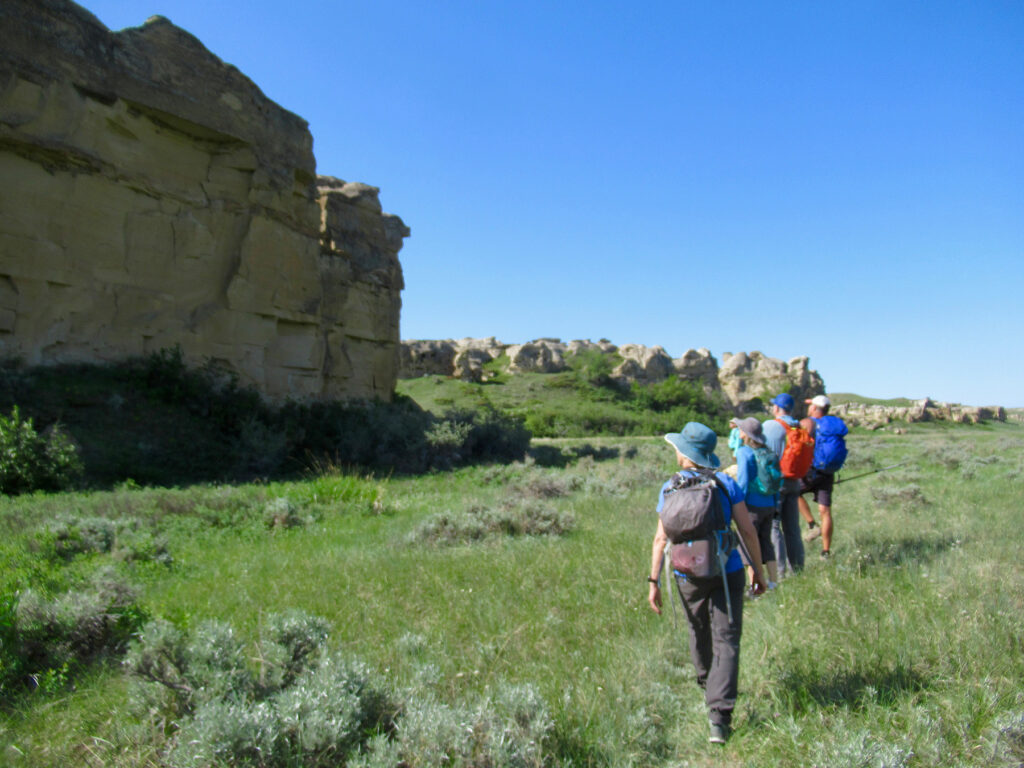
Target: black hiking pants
714, 640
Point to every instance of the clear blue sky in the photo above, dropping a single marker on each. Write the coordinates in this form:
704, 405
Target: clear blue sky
838, 180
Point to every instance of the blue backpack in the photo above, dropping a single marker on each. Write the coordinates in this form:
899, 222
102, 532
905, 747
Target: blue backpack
829, 444
768, 481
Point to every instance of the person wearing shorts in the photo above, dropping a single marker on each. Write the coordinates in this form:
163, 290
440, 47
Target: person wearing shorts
818, 482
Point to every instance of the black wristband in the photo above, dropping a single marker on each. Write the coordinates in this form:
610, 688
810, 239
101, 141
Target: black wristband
654, 581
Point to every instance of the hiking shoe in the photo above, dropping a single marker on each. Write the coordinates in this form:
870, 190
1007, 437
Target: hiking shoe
825, 554
719, 734
813, 533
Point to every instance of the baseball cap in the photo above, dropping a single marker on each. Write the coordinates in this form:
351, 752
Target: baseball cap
784, 401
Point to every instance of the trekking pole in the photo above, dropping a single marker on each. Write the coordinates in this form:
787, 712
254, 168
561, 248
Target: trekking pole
746, 553
667, 568
872, 472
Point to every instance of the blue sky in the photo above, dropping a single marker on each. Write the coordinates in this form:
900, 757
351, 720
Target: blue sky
838, 180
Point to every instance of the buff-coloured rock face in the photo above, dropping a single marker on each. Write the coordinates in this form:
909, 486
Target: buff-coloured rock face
748, 381
874, 416
640, 363
152, 196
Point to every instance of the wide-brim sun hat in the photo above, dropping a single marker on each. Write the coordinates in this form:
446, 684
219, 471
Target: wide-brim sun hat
697, 443
751, 428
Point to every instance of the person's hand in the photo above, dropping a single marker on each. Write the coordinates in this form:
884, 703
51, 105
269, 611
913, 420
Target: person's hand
758, 586
654, 598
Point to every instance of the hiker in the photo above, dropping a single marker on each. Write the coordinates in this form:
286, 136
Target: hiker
753, 460
735, 442
794, 463
714, 613
829, 454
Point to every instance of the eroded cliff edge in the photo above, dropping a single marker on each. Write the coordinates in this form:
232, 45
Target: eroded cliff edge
152, 196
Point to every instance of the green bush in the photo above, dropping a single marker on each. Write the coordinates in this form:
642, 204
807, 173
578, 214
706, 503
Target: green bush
593, 368
30, 461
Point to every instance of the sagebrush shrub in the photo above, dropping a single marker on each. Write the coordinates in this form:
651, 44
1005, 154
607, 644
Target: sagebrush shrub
528, 517
30, 461
509, 729
125, 538
282, 513
290, 643
300, 707
66, 632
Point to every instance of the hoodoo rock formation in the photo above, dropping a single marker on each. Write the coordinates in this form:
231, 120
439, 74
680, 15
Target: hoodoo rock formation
152, 196
745, 381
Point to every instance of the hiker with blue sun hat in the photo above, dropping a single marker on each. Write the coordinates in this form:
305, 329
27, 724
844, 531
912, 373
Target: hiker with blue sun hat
712, 597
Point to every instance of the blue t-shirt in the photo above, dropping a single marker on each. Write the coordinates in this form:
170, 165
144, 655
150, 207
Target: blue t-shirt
735, 495
775, 434
746, 466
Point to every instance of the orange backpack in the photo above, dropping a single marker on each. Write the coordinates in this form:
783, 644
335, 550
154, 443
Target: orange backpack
799, 453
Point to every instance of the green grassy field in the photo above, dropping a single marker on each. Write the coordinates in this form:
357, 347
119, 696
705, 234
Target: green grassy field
906, 649
571, 404
847, 397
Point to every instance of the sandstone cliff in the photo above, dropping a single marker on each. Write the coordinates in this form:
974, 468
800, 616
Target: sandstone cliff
153, 196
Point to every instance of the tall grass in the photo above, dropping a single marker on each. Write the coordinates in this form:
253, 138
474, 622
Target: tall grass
906, 649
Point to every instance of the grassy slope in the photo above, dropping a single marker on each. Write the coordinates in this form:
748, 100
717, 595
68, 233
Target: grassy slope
906, 649
848, 397
552, 405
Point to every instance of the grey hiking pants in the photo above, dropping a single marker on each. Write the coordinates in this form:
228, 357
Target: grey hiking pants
714, 640
791, 553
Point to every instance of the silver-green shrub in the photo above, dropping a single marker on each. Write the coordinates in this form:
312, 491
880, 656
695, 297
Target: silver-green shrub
292, 706
60, 634
283, 513
127, 539
523, 518
290, 643
509, 729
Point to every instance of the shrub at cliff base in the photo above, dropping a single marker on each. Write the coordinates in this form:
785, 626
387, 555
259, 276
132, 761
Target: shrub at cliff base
158, 421
30, 461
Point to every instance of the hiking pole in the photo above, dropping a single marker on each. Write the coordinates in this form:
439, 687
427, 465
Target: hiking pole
872, 472
667, 568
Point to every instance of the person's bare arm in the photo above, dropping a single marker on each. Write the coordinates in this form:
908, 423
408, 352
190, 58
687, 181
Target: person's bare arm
657, 555
749, 536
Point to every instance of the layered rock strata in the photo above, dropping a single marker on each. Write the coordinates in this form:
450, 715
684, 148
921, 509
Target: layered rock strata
152, 196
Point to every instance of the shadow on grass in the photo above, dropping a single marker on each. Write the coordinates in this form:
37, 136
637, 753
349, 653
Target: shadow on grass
555, 456
803, 689
898, 552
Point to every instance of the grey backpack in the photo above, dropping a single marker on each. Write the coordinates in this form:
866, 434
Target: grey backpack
693, 519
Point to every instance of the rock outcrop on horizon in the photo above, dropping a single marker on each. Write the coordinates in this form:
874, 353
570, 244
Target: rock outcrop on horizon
877, 416
153, 196
746, 381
